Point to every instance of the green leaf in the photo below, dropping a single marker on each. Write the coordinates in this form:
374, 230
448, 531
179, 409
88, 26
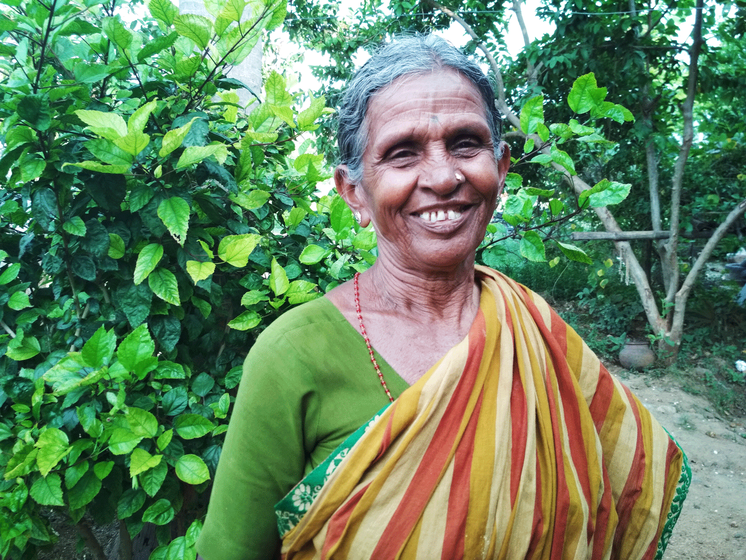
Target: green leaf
528, 146
141, 422
99, 349
116, 246
202, 384
580, 129
32, 166
84, 267
23, 349
123, 441
133, 142
235, 249
312, 254
84, 491
307, 117
139, 118
147, 260
192, 470
130, 503
192, 426
47, 491
278, 279
74, 226
199, 270
53, 446
365, 240
35, 109
107, 125
562, 158
152, 480
141, 461
117, 32
279, 12
5, 432
90, 73
542, 131
174, 213
101, 167
612, 193
340, 215
585, 94
195, 154
574, 253
174, 138
169, 370
75, 472
135, 352
160, 44
164, 285
18, 136
251, 200
164, 439
102, 470
562, 130
195, 27
246, 321
252, 297
163, 10
532, 247
532, 114
160, 513
10, 273
542, 159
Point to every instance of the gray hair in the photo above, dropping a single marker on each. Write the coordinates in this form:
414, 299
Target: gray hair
405, 56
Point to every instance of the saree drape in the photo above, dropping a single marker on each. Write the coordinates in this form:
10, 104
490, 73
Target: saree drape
517, 444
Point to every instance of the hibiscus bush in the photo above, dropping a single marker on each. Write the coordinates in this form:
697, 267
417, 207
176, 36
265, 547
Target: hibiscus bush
150, 228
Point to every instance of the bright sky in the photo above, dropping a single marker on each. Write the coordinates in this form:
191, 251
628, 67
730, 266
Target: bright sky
455, 35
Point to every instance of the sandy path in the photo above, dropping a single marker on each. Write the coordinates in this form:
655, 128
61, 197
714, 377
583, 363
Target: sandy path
712, 525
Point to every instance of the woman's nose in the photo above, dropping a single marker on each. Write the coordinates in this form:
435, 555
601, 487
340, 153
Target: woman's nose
441, 176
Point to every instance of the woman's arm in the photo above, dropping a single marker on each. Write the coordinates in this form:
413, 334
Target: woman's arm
262, 458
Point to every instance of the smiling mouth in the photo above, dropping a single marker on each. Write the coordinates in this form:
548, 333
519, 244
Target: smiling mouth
440, 215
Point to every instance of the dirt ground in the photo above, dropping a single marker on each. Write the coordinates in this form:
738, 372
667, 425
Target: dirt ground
712, 525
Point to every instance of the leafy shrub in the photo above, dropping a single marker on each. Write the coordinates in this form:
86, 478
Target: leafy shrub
149, 231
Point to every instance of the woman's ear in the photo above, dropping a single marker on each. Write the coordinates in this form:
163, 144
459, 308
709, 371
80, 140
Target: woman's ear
352, 193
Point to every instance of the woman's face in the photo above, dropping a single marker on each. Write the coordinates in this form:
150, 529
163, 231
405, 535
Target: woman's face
430, 180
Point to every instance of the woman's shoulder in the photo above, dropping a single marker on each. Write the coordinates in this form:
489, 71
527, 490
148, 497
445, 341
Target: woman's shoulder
319, 313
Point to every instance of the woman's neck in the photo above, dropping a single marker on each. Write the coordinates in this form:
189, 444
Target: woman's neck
427, 296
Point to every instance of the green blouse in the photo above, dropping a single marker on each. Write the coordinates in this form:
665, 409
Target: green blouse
307, 384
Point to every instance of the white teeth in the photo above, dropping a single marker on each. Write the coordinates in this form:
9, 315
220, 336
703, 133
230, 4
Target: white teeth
440, 215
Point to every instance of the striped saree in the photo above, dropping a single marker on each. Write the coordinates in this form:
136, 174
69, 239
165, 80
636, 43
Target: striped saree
517, 444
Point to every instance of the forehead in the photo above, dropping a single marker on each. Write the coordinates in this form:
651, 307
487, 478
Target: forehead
439, 91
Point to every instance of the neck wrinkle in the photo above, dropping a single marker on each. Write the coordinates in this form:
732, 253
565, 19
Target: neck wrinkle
423, 297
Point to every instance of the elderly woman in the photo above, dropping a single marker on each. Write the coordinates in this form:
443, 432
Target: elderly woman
506, 438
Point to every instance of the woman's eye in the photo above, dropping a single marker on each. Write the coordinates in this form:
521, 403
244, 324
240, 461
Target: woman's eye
401, 154
467, 144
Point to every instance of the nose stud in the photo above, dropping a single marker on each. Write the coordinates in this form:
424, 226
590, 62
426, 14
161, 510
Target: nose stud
460, 177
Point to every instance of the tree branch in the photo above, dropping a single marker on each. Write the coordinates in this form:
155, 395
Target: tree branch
686, 144
531, 70
677, 326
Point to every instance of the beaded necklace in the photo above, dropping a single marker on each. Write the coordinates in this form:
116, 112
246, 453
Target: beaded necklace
367, 340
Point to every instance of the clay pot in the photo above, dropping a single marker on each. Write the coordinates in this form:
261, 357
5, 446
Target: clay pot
636, 354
